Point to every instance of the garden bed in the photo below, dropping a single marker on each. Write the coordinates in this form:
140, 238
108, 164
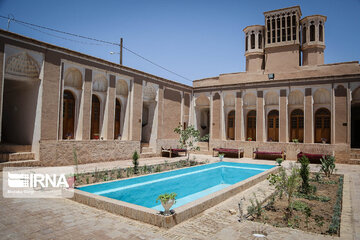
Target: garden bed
119, 173
317, 212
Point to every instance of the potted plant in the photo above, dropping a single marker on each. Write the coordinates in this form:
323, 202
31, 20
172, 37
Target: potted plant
221, 156
295, 140
167, 200
96, 136
249, 139
279, 161
323, 140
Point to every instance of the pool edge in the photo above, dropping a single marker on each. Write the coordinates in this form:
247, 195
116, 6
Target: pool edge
182, 213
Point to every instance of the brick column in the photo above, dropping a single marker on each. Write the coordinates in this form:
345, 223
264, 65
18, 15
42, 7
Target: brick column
86, 105
216, 116
309, 122
160, 111
111, 109
136, 117
340, 115
238, 116
283, 118
260, 117
50, 96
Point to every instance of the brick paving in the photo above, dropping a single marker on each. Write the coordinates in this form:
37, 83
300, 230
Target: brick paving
66, 219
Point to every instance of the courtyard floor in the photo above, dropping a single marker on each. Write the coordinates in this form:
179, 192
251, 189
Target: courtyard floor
66, 219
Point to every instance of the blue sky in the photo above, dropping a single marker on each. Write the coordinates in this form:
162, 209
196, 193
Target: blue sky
195, 38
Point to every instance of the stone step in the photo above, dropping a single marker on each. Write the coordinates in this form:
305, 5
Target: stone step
12, 148
24, 163
204, 146
354, 161
17, 156
144, 145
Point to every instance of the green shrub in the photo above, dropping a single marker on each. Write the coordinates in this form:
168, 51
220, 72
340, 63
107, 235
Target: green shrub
166, 197
313, 197
279, 161
335, 221
299, 206
327, 165
304, 174
135, 161
255, 209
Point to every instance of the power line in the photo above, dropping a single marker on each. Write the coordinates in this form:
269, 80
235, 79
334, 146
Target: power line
88, 38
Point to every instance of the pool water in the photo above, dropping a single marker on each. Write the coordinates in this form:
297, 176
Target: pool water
189, 183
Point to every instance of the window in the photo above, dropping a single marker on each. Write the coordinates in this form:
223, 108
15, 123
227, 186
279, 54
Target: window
322, 125
231, 125
68, 115
251, 125
246, 43
273, 126
312, 33
273, 30
278, 29
297, 125
288, 33
268, 31
95, 117
117, 133
260, 41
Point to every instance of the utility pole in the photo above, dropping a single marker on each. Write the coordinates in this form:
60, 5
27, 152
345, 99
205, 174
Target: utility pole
121, 50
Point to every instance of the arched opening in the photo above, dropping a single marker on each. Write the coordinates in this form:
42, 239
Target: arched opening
68, 115
95, 117
304, 34
117, 133
278, 29
251, 125
268, 31
312, 33
231, 125
246, 43
283, 29
273, 30
294, 23
321, 37
297, 125
288, 33
322, 125
252, 39
260, 41
355, 119
273, 126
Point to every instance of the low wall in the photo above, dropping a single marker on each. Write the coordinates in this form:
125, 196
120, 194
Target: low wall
173, 143
341, 151
57, 153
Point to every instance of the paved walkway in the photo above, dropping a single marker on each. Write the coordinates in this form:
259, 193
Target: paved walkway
66, 219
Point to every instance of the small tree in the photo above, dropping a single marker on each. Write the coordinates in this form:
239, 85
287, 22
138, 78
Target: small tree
189, 137
135, 161
304, 174
327, 165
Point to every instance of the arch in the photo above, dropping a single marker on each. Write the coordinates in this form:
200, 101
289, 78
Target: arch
246, 42
294, 24
249, 99
268, 31
122, 88
296, 97
283, 29
100, 83
68, 115
297, 125
202, 100
355, 95
260, 40
231, 125
322, 125
312, 33
271, 98
252, 40
288, 33
251, 125
304, 34
22, 65
229, 100
322, 96
117, 133
150, 92
273, 30
95, 117
278, 29
321, 35
73, 78
273, 126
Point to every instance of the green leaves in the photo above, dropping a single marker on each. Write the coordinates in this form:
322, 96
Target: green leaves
166, 197
327, 165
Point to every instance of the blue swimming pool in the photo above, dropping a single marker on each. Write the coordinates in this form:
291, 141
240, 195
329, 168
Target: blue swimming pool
189, 183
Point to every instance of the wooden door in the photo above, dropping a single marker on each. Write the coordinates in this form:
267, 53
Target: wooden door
273, 126
95, 118
68, 115
322, 125
251, 125
117, 119
231, 125
297, 125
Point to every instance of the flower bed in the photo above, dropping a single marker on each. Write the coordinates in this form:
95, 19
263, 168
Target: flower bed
118, 173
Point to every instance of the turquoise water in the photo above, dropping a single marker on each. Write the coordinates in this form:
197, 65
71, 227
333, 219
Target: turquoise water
189, 183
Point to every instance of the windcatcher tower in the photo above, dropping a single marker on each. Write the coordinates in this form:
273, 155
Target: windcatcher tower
313, 39
282, 39
254, 48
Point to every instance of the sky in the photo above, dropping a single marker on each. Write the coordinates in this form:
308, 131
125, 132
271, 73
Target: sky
193, 38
